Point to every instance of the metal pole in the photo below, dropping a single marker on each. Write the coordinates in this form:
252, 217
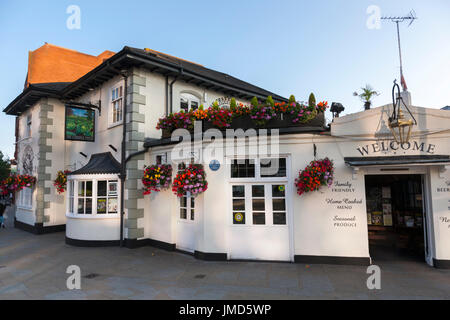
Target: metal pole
399, 50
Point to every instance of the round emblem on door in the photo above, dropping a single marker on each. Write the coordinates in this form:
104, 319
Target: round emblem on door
238, 217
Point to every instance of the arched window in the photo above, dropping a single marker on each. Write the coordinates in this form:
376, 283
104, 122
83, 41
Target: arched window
189, 101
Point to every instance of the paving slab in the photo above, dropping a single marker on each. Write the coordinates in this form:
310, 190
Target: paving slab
34, 267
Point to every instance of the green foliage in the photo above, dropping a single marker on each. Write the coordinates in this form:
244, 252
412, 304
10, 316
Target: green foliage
291, 98
215, 105
5, 167
233, 104
312, 100
79, 126
366, 94
270, 102
254, 101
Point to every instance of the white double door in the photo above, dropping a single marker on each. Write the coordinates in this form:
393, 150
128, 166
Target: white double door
259, 227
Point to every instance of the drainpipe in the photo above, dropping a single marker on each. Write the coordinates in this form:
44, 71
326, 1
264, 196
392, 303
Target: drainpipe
171, 89
167, 95
171, 93
123, 171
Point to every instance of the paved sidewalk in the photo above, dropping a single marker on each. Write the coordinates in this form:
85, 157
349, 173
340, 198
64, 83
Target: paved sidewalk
33, 267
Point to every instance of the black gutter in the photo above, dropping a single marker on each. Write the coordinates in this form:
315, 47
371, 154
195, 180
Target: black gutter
204, 78
30, 90
118, 57
128, 53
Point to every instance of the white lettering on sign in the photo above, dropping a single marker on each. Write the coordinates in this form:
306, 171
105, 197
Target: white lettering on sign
393, 146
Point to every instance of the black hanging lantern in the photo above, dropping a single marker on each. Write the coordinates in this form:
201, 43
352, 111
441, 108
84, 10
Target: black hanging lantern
400, 125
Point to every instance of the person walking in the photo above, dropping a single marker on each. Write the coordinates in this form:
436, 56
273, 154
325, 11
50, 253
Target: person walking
2, 211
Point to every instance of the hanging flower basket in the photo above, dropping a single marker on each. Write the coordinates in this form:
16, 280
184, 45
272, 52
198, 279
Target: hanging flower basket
60, 182
156, 178
191, 179
16, 183
317, 174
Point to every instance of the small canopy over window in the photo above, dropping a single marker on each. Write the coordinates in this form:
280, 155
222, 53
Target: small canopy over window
100, 163
93, 190
398, 160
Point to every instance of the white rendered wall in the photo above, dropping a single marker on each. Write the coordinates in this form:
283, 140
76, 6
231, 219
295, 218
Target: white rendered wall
94, 229
28, 215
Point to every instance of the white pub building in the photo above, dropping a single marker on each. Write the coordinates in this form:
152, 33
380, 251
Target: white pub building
390, 196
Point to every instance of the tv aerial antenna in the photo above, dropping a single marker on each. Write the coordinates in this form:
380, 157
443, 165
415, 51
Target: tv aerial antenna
411, 17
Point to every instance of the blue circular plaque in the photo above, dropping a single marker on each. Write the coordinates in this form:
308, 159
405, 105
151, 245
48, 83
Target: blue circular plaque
214, 165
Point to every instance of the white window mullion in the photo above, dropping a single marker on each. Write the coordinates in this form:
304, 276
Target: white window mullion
94, 197
75, 197
257, 168
248, 205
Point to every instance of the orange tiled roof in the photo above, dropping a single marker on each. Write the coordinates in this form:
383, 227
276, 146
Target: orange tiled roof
51, 63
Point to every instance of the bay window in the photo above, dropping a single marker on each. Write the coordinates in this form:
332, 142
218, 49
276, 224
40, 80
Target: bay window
94, 197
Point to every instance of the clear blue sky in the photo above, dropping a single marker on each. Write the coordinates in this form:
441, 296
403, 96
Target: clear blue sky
285, 46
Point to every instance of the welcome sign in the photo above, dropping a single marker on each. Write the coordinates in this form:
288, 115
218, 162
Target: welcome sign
393, 146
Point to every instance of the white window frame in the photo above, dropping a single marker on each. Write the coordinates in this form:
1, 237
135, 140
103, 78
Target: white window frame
28, 124
189, 208
71, 195
190, 97
162, 157
257, 177
267, 182
73, 182
26, 198
113, 100
268, 201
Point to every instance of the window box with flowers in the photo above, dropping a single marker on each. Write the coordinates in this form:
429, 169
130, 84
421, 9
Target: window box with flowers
241, 115
266, 114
